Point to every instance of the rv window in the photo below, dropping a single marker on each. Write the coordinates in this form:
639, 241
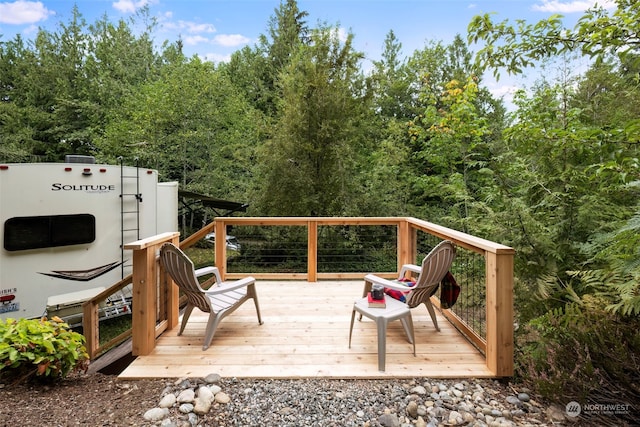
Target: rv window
49, 231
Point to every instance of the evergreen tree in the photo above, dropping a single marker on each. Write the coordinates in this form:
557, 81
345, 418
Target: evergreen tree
308, 168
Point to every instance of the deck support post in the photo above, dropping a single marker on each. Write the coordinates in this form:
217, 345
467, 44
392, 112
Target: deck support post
220, 247
406, 244
499, 306
91, 328
172, 294
312, 251
145, 292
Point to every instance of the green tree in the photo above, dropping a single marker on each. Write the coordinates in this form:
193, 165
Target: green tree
563, 185
257, 71
392, 102
449, 140
60, 87
390, 82
246, 70
310, 164
596, 34
193, 126
117, 63
58, 91
577, 149
17, 137
608, 94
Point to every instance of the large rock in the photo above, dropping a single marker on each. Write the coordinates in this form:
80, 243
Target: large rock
186, 396
156, 414
204, 392
389, 420
168, 401
222, 397
201, 406
412, 409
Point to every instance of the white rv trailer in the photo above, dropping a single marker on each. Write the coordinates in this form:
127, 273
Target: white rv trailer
63, 226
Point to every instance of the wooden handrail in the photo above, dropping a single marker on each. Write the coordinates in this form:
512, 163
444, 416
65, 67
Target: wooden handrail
145, 305
465, 240
90, 319
189, 241
149, 318
146, 292
90, 308
498, 344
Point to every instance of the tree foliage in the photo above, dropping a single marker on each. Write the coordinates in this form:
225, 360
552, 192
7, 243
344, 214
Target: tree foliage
309, 164
294, 126
574, 144
299, 125
193, 126
597, 33
58, 90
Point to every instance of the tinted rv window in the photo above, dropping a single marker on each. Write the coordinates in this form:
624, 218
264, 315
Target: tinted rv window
49, 231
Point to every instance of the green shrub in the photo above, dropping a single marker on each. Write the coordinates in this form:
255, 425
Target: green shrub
581, 352
46, 349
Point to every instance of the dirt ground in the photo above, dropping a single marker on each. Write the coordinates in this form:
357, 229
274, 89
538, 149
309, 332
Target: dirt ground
93, 399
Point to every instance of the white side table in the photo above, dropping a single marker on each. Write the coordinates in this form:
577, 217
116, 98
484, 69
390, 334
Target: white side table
394, 310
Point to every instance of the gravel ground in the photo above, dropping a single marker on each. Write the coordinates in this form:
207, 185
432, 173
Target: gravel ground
338, 403
102, 400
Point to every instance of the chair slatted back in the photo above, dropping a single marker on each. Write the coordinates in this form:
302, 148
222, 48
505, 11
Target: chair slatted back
181, 269
434, 267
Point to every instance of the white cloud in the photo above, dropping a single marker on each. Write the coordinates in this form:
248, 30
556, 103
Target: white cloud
342, 34
231, 40
194, 40
189, 27
215, 57
503, 91
558, 6
30, 30
23, 12
129, 6
192, 27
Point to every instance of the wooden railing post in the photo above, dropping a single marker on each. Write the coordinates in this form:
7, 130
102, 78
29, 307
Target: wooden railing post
406, 244
220, 246
144, 301
312, 251
91, 328
145, 292
172, 293
499, 282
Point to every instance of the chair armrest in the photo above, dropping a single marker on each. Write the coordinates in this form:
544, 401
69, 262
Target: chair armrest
209, 270
409, 267
225, 287
372, 278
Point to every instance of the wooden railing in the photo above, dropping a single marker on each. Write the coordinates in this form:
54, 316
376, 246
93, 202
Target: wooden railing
154, 305
155, 299
90, 322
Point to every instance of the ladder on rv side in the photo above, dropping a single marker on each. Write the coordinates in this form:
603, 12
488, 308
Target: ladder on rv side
130, 199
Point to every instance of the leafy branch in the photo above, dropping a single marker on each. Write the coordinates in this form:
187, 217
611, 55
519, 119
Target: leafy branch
515, 47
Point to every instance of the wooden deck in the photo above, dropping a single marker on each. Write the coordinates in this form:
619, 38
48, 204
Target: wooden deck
305, 335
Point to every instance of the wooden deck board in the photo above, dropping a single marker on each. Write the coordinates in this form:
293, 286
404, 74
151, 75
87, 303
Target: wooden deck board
305, 335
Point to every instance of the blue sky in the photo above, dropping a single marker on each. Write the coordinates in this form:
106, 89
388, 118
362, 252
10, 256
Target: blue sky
213, 29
